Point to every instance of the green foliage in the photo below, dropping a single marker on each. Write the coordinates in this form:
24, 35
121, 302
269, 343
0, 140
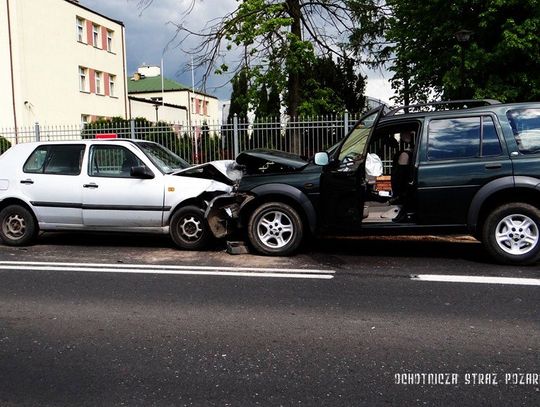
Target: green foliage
4, 145
501, 59
280, 40
239, 96
209, 145
160, 132
330, 87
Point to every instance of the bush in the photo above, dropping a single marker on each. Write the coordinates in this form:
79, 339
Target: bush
4, 145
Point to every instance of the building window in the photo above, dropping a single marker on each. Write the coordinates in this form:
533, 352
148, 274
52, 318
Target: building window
109, 40
95, 34
98, 82
85, 119
80, 29
82, 79
112, 79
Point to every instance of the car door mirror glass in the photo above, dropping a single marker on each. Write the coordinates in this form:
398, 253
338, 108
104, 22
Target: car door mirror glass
321, 158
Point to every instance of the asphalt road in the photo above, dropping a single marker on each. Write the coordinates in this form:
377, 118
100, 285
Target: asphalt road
341, 332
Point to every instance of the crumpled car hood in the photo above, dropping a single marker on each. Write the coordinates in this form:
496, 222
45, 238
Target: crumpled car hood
263, 161
225, 171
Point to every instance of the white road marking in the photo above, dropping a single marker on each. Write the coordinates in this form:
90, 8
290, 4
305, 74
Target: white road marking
476, 279
168, 269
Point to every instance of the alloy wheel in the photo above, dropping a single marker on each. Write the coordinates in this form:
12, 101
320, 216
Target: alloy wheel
14, 226
517, 234
275, 229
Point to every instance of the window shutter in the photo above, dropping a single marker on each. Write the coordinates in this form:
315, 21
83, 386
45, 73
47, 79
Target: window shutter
107, 84
103, 38
89, 33
92, 76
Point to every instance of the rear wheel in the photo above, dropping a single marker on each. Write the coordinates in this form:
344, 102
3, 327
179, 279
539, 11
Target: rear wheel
188, 228
17, 226
275, 229
511, 233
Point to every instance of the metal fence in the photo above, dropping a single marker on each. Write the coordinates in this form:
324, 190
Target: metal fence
202, 141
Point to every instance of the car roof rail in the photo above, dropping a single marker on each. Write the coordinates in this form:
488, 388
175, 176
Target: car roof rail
444, 105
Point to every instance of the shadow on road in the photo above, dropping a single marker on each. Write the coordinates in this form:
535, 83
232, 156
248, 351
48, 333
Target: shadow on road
465, 248
428, 247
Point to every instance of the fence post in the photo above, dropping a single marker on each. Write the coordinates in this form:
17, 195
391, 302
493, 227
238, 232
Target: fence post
37, 131
132, 128
235, 134
346, 122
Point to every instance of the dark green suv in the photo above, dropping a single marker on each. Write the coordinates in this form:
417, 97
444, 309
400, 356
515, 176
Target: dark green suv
449, 167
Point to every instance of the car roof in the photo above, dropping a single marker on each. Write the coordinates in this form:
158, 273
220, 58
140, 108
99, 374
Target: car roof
498, 108
85, 141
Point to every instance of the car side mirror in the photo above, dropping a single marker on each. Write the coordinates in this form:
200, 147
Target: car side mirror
321, 159
142, 172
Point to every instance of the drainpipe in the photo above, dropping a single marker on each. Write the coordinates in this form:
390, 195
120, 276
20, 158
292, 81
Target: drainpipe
126, 104
12, 73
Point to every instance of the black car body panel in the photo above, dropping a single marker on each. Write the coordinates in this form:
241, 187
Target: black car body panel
263, 161
466, 167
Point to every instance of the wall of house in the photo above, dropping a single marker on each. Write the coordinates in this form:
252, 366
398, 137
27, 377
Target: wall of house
165, 113
6, 112
47, 55
183, 97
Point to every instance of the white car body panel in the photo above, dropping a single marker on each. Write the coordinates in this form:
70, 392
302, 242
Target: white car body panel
61, 202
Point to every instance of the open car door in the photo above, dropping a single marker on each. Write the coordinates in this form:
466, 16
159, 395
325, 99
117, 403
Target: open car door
343, 185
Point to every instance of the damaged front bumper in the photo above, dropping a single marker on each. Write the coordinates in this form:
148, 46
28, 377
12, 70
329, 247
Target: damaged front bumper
223, 213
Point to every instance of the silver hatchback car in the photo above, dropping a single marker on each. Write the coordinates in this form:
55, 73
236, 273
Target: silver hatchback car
107, 185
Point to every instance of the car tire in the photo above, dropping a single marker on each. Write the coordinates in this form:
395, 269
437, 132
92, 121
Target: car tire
189, 229
275, 229
511, 234
17, 226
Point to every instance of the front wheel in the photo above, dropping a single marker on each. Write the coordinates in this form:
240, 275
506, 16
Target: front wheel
511, 234
188, 228
17, 226
275, 229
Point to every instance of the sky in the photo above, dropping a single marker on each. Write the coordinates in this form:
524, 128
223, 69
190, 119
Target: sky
149, 30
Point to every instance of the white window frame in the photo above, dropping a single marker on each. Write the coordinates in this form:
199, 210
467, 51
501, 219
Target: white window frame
109, 40
83, 75
98, 82
80, 29
95, 35
85, 119
112, 80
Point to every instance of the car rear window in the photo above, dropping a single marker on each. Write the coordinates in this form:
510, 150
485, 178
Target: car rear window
56, 159
525, 124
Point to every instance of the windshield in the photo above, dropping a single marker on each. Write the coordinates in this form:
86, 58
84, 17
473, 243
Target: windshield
163, 158
354, 145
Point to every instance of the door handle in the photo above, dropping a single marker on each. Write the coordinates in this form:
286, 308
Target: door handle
27, 181
493, 166
92, 185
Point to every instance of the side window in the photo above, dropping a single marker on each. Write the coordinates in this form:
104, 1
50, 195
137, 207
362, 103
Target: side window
491, 146
461, 138
56, 159
36, 161
112, 161
525, 124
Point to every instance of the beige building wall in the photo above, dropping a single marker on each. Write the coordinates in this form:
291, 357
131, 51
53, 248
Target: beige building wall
46, 56
164, 113
187, 98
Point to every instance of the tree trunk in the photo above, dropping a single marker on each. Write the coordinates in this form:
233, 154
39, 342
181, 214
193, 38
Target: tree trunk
293, 84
